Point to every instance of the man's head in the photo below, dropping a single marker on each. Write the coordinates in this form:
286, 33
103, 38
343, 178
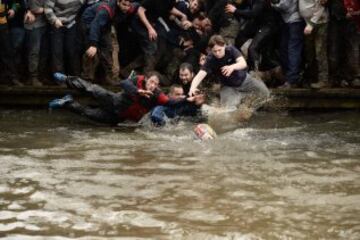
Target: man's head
152, 81
195, 6
199, 99
186, 73
124, 5
217, 46
202, 24
176, 92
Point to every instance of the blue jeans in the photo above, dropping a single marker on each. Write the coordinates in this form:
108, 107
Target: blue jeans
35, 42
292, 44
160, 113
65, 49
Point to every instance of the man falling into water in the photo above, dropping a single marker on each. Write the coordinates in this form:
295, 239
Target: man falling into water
140, 94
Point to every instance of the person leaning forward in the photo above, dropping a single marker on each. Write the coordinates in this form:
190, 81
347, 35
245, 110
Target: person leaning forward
229, 66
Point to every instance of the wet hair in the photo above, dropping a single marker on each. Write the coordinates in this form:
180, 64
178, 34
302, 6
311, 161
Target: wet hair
200, 15
186, 65
216, 40
153, 73
172, 87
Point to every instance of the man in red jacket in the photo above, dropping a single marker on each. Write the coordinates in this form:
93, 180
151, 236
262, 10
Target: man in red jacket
353, 14
353, 11
140, 94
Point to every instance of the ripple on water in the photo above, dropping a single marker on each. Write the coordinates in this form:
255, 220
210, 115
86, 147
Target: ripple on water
203, 216
127, 217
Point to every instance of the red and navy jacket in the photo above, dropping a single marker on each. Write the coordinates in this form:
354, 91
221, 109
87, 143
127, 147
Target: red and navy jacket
355, 6
98, 17
134, 106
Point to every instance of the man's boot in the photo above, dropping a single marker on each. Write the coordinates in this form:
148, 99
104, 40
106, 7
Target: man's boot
320, 84
35, 82
16, 82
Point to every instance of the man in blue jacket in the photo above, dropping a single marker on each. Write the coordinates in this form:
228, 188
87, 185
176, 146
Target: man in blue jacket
96, 30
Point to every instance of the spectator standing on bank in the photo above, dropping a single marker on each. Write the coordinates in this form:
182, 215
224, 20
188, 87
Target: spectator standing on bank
341, 30
36, 35
96, 31
259, 24
17, 33
353, 14
292, 40
7, 11
316, 17
151, 25
61, 15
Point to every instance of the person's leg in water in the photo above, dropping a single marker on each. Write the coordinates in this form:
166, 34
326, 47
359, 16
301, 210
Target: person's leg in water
252, 89
95, 114
253, 93
107, 99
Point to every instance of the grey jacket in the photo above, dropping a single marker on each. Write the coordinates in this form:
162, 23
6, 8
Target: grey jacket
289, 10
64, 10
40, 20
313, 12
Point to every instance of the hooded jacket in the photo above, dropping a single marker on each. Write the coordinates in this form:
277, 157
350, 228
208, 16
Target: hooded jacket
289, 10
313, 12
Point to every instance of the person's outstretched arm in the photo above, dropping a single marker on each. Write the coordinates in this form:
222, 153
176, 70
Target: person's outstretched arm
128, 86
196, 82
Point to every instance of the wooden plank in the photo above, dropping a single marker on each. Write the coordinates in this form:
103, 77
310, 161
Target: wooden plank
338, 98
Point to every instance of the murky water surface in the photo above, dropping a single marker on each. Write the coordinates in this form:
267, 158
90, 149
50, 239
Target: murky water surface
282, 176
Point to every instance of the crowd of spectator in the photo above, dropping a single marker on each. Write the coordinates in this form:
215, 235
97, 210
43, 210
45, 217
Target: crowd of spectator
287, 43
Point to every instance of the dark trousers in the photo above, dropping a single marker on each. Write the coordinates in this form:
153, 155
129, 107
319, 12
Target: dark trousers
108, 101
7, 54
343, 53
262, 40
291, 48
17, 40
128, 43
103, 56
65, 49
36, 45
148, 47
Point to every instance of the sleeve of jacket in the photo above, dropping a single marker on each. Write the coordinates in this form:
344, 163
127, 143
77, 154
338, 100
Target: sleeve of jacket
49, 11
129, 87
319, 13
283, 5
35, 5
254, 12
16, 5
164, 100
101, 19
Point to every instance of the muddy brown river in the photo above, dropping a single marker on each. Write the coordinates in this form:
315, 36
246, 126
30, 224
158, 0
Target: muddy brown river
281, 176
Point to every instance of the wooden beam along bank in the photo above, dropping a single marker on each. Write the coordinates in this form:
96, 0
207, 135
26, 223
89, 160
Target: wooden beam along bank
287, 99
